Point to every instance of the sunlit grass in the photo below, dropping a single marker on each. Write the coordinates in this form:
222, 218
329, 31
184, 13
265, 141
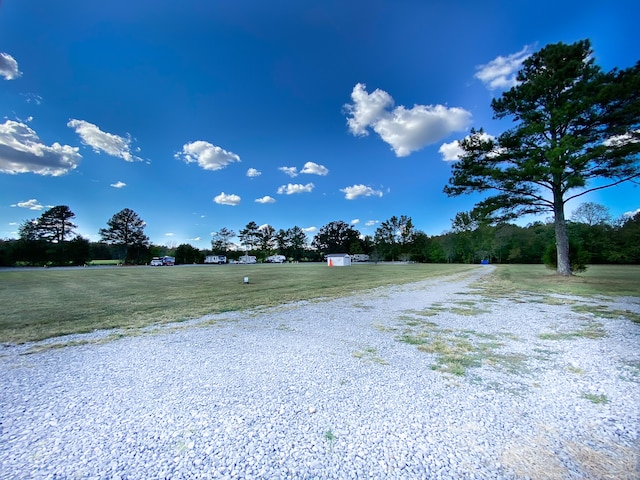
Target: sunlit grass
605, 280
44, 303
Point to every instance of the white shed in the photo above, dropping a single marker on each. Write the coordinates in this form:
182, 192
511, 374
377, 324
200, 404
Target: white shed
338, 260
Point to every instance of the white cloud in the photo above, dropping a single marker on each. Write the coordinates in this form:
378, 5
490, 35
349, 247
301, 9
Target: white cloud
252, 172
224, 199
8, 67
622, 140
405, 129
631, 214
206, 155
118, 184
195, 239
30, 204
310, 229
355, 191
22, 151
371, 223
266, 199
453, 151
114, 145
291, 171
312, 168
170, 234
355, 221
295, 188
450, 151
501, 72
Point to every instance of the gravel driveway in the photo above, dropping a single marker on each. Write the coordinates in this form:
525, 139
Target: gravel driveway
357, 387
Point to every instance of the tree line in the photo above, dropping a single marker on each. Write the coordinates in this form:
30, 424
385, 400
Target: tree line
593, 235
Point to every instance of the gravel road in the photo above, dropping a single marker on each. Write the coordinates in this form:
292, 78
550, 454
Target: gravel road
356, 387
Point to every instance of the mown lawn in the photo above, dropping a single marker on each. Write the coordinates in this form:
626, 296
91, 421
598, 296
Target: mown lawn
607, 280
44, 303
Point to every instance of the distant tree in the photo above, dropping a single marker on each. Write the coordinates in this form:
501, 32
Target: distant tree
221, 240
291, 243
187, 254
297, 240
591, 213
126, 229
394, 236
250, 236
473, 231
626, 241
55, 224
575, 124
335, 237
266, 239
78, 250
28, 230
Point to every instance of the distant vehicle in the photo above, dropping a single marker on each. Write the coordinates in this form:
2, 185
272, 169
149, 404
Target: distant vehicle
219, 259
160, 261
276, 259
247, 259
359, 257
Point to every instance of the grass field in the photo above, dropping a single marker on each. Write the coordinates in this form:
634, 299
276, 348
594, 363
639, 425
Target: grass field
607, 280
44, 303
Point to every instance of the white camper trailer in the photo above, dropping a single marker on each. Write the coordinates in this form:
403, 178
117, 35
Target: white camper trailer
219, 259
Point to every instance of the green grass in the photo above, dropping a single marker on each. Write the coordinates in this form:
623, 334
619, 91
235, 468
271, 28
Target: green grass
592, 330
44, 303
598, 399
370, 354
607, 280
456, 351
104, 262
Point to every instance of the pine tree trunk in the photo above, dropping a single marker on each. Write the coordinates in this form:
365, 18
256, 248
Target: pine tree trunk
562, 241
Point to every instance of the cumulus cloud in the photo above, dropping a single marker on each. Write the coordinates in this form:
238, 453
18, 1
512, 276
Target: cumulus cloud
406, 130
312, 168
169, 234
8, 67
295, 188
206, 155
266, 199
252, 172
224, 199
453, 151
291, 171
355, 191
31, 204
355, 221
99, 141
371, 223
118, 184
22, 151
310, 229
450, 151
501, 72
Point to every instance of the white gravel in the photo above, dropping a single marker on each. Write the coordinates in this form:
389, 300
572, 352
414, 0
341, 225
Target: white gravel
326, 390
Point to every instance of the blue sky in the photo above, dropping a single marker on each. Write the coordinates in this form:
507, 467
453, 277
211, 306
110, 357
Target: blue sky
200, 115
